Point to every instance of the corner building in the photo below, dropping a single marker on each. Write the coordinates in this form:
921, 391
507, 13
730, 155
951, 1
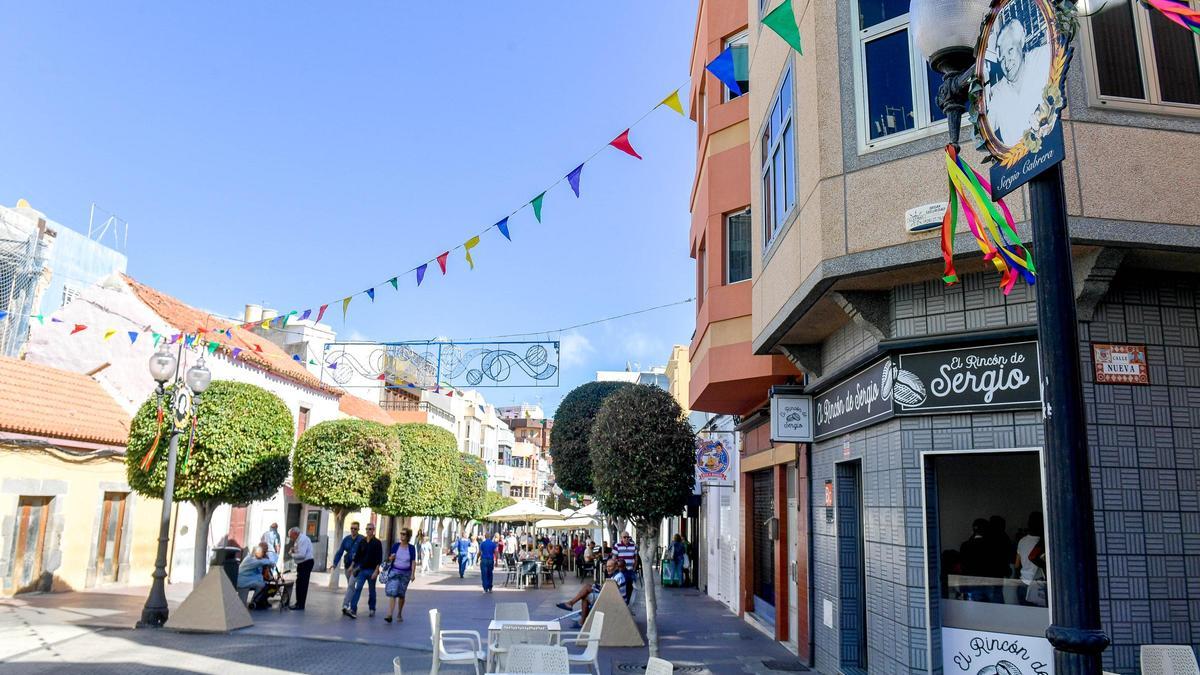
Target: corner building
921, 486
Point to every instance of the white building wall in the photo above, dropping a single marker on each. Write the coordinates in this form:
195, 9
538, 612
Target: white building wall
722, 518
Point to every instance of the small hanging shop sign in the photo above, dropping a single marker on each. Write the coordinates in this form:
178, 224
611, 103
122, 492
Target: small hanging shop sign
1120, 364
791, 415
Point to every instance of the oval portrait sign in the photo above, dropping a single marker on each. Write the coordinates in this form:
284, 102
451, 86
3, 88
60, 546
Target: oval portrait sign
1021, 64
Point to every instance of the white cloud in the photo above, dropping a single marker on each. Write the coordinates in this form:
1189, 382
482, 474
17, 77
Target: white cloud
573, 350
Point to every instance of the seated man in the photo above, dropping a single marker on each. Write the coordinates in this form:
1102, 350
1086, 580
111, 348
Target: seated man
589, 592
250, 573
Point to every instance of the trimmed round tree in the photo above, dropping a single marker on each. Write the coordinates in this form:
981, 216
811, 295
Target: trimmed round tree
344, 465
243, 439
425, 480
472, 488
644, 457
569, 437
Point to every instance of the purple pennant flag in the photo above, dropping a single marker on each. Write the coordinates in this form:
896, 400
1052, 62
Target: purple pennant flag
421, 273
307, 313
133, 336
54, 320
573, 179
333, 366
371, 294
236, 351
503, 227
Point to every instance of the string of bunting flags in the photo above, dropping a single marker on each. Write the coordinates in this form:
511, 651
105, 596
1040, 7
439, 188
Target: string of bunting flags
781, 20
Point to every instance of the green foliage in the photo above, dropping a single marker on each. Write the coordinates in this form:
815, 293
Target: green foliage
494, 501
425, 480
472, 488
569, 437
243, 440
344, 464
643, 451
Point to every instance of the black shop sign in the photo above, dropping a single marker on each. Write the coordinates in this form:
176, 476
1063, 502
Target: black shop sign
991, 377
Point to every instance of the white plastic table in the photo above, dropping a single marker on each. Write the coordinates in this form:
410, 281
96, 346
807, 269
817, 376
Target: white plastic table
494, 632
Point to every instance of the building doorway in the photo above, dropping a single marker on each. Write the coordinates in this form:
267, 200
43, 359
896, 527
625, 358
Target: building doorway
112, 534
765, 532
851, 568
28, 571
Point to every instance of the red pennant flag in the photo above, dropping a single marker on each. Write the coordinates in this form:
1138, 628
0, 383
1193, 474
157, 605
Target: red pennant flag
321, 313
78, 327
382, 376
258, 348
442, 261
622, 143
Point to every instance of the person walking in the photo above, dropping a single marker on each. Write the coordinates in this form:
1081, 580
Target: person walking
462, 548
398, 573
487, 561
626, 550
272, 540
346, 551
366, 570
678, 552
426, 555
302, 555
473, 551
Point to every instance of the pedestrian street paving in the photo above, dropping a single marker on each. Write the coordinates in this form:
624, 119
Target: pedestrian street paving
90, 632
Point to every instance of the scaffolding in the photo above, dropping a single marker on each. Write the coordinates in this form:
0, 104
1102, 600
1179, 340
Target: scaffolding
22, 264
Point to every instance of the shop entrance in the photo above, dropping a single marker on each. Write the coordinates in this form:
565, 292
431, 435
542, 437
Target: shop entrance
851, 568
984, 515
765, 526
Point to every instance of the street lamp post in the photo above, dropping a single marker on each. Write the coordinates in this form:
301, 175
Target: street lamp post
946, 32
163, 367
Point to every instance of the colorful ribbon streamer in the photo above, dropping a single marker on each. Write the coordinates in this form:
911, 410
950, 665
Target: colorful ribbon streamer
993, 229
1177, 11
149, 458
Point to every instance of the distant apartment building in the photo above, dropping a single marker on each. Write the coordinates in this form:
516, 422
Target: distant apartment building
533, 475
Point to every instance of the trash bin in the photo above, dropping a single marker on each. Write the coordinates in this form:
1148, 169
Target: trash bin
229, 558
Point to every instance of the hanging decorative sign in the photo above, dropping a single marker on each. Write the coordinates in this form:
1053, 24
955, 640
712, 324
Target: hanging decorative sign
1020, 70
437, 364
1120, 364
980, 652
993, 376
791, 415
712, 462
852, 403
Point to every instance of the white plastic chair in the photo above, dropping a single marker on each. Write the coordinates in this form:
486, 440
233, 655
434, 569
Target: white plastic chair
656, 666
511, 611
537, 659
511, 636
471, 656
590, 656
1169, 660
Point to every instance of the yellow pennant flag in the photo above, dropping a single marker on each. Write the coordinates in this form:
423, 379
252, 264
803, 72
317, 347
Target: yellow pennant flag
109, 333
672, 102
470, 244
345, 305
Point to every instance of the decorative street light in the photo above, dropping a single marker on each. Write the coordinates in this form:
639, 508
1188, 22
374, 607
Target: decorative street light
163, 367
946, 31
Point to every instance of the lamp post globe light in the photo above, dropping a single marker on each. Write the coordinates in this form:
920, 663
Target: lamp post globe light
946, 32
164, 367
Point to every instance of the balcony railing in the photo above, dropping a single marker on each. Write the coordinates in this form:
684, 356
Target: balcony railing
418, 406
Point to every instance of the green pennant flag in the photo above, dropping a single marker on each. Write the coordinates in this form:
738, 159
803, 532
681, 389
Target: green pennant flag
782, 20
395, 283
212, 346
537, 206
157, 338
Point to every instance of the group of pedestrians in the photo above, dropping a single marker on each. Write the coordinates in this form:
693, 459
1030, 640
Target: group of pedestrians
363, 563
258, 570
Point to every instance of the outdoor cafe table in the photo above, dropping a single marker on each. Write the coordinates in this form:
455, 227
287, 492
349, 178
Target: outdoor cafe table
494, 632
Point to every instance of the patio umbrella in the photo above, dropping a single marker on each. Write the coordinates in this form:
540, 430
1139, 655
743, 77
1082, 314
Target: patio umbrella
524, 511
590, 511
568, 524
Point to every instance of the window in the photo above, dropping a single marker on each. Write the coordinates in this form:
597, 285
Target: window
892, 103
741, 63
69, 293
302, 421
701, 274
737, 247
778, 162
1140, 56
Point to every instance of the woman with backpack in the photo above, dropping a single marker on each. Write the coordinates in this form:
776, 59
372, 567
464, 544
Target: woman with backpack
397, 573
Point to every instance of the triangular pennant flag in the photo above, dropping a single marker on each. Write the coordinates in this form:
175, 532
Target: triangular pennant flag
467, 246
442, 261
2, 315
672, 102
621, 142
189, 339
311, 362
395, 282
421, 273
573, 179
346, 305
321, 312
212, 346
258, 348
287, 316
54, 320
266, 324
722, 68
333, 366
382, 376
229, 333
236, 351
157, 338
307, 313
109, 333
782, 20
371, 294
503, 227
133, 336
537, 206
41, 319
78, 327
296, 357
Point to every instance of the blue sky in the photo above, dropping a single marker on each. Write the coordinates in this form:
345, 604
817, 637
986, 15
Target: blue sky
293, 156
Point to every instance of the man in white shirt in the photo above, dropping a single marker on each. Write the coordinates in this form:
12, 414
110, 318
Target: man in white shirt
302, 555
510, 544
1012, 101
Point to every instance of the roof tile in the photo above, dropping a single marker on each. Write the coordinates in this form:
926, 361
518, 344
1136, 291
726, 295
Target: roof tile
43, 401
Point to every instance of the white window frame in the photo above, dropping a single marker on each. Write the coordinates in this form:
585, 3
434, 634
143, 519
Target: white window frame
742, 34
725, 223
1150, 84
924, 126
769, 237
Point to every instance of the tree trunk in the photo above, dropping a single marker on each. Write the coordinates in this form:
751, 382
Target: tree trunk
339, 525
647, 538
204, 514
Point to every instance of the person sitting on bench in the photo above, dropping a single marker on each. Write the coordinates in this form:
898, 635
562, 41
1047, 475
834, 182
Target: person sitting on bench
589, 592
250, 574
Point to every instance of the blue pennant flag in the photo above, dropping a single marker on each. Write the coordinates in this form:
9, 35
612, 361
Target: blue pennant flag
133, 336
503, 227
723, 69
573, 177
